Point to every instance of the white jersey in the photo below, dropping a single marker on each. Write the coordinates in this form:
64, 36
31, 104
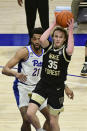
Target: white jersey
31, 67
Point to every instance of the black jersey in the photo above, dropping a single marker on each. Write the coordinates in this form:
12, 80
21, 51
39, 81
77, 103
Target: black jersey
55, 64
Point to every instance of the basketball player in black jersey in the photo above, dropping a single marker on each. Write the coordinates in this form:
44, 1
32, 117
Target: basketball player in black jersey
56, 58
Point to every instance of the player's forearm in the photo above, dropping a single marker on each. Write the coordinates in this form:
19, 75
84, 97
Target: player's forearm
46, 34
9, 72
70, 46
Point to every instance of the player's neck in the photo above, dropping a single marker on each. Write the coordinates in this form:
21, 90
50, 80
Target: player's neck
58, 47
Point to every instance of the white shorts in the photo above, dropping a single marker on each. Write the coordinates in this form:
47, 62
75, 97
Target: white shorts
22, 95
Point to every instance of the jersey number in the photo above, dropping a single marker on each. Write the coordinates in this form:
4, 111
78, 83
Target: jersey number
36, 72
52, 64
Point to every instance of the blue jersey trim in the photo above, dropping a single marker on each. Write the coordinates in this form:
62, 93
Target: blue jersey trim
16, 91
19, 66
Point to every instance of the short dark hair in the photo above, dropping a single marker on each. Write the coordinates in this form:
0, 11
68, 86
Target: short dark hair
38, 30
62, 30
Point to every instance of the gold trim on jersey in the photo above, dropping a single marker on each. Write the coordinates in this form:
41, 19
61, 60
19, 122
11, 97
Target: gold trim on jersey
53, 49
59, 48
65, 56
38, 98
55, 111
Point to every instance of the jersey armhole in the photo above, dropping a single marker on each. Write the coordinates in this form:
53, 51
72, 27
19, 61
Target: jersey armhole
66, 56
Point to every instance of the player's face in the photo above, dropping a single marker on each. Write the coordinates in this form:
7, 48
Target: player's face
58, 38
36, 41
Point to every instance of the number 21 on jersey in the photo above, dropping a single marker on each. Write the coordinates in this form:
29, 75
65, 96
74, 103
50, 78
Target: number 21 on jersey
36, 72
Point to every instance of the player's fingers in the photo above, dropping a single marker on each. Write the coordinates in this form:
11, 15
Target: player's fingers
23, 78
69, 22
20, 2
72, 95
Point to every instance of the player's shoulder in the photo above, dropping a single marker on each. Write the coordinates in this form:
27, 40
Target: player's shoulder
22, 52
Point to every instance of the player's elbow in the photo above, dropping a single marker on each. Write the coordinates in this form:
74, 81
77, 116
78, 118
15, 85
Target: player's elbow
3, 70
70, 51
42, 41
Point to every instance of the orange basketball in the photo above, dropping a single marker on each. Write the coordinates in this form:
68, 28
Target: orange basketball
56, 13
63, 17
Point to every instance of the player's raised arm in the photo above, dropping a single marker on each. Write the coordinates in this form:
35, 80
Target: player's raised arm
44, 38
70, 46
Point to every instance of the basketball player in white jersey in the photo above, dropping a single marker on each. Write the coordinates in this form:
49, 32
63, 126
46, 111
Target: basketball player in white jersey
29, 60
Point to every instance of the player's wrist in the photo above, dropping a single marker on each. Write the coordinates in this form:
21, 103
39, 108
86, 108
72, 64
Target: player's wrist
16, 74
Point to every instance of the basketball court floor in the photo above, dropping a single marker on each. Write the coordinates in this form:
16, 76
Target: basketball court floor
74, 117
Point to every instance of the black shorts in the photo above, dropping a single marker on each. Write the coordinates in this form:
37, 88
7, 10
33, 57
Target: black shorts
54, 94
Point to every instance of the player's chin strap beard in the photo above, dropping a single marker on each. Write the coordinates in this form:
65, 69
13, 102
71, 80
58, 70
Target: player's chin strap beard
37, 48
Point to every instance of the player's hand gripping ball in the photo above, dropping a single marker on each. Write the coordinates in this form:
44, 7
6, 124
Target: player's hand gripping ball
63, 17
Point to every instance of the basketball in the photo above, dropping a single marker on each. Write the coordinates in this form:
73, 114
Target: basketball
63, 17
56, 13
